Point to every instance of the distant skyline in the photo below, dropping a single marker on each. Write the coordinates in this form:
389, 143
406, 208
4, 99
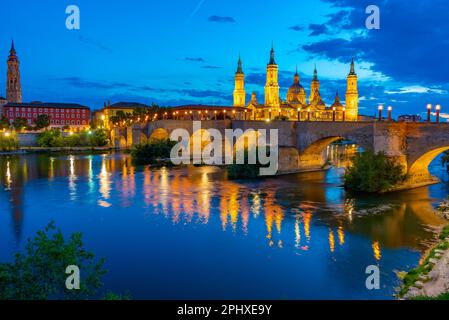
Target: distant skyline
181, 52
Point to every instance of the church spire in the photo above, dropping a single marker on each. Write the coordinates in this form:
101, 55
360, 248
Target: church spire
352, 71
315, 74
13, 50
337, 97
239, 66
296, 78
272, 61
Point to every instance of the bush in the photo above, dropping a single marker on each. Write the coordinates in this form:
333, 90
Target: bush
9, 142
373, 173
39, 274
151, 152
54, 138
246, 170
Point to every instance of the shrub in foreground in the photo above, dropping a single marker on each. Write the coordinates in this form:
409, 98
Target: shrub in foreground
39, 274
373, 173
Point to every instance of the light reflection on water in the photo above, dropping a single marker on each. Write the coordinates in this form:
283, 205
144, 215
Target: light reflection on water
190, 233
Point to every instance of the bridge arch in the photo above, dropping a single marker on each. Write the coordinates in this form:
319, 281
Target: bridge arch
120, 142
159, 134
314, 156
419, 170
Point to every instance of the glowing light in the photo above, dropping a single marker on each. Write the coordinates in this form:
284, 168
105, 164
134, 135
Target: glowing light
380, 108
429, 106
438, 107
376, 250
390, 108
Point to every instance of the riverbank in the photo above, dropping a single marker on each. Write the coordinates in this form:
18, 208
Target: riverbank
75, 150
430, 280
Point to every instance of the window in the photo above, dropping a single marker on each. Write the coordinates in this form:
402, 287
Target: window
62, 121
29, 115
78, 122
51, 121
23, 115
40, 109
57, 121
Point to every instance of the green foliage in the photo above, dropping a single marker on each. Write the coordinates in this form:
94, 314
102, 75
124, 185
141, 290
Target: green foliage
246, 170
50, 138
4, 123
39, 274
20, 123
151, 152
8, 142
54, 138
373, 173
99, 138
425, 267
42, 121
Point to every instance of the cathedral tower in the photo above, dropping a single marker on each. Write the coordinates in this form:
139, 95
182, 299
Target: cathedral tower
272, 85
352, 95
314, 87
239, 87
13, 88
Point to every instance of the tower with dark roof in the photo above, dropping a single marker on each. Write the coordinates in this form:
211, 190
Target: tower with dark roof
272, 85
352, 94
13, 87
239, 86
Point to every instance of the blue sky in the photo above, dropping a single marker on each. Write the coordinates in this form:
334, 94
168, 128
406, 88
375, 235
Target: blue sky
185, 51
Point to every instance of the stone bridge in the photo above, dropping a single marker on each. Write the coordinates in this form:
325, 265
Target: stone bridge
303, 145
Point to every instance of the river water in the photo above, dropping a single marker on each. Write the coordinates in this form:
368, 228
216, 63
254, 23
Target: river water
189, 233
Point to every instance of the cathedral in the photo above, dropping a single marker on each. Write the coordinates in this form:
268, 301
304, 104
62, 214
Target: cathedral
296, 106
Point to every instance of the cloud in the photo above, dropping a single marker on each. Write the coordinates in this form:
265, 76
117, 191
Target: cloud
221, 19
410, 47
297, 27
212, 67
416, 89
190, 59
318, 29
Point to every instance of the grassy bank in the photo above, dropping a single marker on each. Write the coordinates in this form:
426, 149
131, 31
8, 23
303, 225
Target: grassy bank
421, 273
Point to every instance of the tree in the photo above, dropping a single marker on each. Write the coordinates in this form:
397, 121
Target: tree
42, 121
373, 173
4, 123
20, 123
39, 274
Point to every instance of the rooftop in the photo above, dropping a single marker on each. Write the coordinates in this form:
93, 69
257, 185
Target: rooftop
48, 105
127, 105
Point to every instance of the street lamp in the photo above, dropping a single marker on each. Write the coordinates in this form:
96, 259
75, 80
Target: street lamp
380, 108
438, 108
429, 108
333, 114
308, 114
269, 113
246, 114
215, 114
299, 114
344, 114
389, 113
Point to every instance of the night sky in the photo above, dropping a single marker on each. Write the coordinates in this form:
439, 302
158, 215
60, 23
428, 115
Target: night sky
185, 51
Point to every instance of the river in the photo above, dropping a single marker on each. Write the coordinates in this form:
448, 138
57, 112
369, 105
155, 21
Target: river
189, 233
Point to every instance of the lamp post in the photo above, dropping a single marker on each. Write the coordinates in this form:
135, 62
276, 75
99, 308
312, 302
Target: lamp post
308, 114
246, 114
279, 114
429, 108
299, 114
380, 108
215, 114
224, 114
333, 114
438, 108
233, 114
269, 112
389, 113
344, 114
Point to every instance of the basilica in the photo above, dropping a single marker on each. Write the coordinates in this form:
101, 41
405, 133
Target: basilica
296, 106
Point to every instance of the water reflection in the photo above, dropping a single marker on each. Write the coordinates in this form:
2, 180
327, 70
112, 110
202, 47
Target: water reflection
190, 195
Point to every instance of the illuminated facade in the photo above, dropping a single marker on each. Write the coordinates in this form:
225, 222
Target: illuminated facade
13, 87
296, 106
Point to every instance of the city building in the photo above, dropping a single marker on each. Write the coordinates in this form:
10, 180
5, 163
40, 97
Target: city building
102, 117
13, 87
296, 105
61, 115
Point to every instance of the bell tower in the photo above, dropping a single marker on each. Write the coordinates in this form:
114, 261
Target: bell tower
352, 95
239, 87
272, 85
13, 87
314, 86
